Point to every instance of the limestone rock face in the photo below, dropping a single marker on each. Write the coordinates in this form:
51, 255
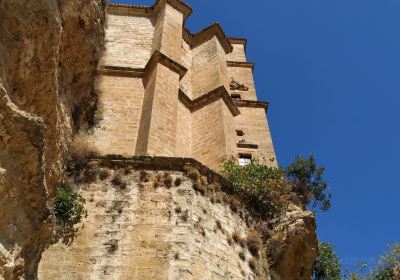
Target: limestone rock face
48, 55
293, 246
153, 228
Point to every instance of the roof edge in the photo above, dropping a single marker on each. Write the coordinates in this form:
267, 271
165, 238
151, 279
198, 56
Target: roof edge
179, 5
242, 41
207, 33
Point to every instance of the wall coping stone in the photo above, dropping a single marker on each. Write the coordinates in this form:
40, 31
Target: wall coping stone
126, 9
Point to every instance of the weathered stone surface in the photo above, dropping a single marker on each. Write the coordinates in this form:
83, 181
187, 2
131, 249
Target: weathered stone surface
48, 55
159, 122
293, 246
148, 231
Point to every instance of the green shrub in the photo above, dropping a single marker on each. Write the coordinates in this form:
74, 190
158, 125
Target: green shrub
326, 266
264, 185
307, 181
269, 187
68, 206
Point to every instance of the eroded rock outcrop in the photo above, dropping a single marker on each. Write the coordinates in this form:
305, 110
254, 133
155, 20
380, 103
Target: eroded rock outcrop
48, 56
293, 245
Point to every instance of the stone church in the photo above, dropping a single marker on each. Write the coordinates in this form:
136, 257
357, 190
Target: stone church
165, 91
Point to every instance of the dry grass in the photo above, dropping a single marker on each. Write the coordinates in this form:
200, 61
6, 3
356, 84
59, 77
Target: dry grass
81, 148
185, 216
229, 240
90, 173
197, 186
104, 173
236, 236
128, 170
253, 264
168, 180
146, 176
118, 181
178, 181
218, 223
242, 255
238, 239
254, 243
192, 173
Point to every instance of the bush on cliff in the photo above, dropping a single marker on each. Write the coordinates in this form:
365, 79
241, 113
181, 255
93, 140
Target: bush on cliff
266, 186
270, 187
68, 206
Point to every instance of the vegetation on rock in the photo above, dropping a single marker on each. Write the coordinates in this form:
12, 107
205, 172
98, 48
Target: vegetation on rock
68, 206
265, 185
273, 187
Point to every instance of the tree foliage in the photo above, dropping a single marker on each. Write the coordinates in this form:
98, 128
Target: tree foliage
307, 180
387, 267
68, 206
326, 266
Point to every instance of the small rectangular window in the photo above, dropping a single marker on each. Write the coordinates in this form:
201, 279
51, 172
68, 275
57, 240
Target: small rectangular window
244, 160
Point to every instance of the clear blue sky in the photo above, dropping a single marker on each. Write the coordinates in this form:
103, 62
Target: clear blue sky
331, 71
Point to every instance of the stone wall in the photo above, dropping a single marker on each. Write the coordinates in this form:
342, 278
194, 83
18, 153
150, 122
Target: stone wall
145, 231
173, 218
129, 40
120, 109
252, 122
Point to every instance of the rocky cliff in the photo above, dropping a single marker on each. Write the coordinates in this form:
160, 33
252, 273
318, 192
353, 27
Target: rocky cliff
173, 218
162, 223
48, 56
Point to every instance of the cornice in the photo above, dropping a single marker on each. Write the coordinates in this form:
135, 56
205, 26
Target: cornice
247, 145
122, 71
242, 41
156, 58
206, 99
241, 64
159, 57
252, 104
206, 34
181, 6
